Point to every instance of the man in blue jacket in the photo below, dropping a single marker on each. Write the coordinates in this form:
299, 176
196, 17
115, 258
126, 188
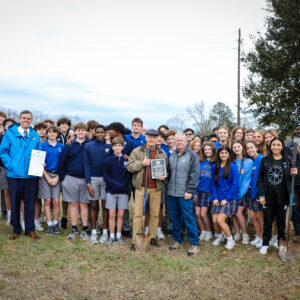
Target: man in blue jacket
15, 153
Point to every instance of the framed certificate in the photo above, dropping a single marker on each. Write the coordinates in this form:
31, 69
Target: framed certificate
158, 168
36, 165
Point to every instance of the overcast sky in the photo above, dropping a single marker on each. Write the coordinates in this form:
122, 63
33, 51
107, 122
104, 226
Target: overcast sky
115, 60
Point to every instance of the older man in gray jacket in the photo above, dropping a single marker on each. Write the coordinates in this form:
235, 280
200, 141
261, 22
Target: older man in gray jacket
184, 171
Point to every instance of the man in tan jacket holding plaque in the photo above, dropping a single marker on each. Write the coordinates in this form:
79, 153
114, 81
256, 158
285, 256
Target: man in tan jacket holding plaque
139, 162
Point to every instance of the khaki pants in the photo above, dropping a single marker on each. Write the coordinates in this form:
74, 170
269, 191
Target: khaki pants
154, 198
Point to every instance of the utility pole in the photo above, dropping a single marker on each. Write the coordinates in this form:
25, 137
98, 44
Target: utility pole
239, 81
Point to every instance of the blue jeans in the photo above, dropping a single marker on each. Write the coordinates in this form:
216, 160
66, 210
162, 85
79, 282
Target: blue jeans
180, 207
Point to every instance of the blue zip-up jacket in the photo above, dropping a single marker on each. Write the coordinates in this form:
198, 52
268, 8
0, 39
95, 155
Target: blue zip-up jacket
141, 140
94, 154
115, 175
254, 186
245, 172
205, 176
15, 151
71, 160
226, 189
165, 148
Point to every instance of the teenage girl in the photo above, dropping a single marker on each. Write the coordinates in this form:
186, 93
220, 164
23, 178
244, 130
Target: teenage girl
208, 156
259, 139
223, 137
256, 209
269, 136
245, 173
225, 189
274, 182
237, 134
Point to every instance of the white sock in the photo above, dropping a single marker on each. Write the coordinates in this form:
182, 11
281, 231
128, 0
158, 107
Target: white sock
36, 222
105, 231
112, 236
9, 213
49, 223
147, 228
118, 235
220, 235
158, 228
229, 238
55, 222
203, 231
94, 231
208, 231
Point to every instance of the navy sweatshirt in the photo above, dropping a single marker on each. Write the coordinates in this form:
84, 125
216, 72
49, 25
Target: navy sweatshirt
94, 154
115, 174
71, 160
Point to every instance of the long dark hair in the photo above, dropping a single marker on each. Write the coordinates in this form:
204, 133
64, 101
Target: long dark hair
283, 151
218, 163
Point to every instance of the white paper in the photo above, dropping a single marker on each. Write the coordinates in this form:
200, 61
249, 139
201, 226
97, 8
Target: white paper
37, 161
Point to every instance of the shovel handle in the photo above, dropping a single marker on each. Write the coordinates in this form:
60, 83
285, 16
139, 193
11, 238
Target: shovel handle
146, 183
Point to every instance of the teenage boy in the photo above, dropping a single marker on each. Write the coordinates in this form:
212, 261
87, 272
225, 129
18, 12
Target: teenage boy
2, 118
40, 128
71, 175
117, 180
64, 125
49, 185
92, 124
170, 139
249, 134
136, 135
117, 129
15, 153
189, 133
4, 185
137, 164
48, 122
94, 154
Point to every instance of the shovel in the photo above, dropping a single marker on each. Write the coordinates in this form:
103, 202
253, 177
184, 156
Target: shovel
142, 240
288, 249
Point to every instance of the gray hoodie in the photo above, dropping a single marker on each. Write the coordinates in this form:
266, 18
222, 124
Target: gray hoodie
184, 172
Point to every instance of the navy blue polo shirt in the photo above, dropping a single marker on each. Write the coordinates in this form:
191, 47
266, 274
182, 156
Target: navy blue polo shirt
52, 155
141, 140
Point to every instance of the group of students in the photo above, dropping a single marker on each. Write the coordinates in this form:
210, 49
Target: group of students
240, 171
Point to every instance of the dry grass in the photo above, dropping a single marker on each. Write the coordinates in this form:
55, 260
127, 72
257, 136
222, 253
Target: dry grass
56, 268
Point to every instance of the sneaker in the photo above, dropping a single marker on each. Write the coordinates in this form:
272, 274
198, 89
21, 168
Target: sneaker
97, 228
63, 223
263, 250
202, 236
50, 230
120, 241
174, 246
85, 235
230, 244
255, 241
8, 220
259, 244
38, 226
104, 238
194, 249
22, 223
94, 239
73, 234
245, 239
274, 241
160, 235
56, 229
109, 241
237, 237
218, 240
208, 236
146, 231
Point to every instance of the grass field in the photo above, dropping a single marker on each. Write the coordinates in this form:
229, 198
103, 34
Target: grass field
56, 268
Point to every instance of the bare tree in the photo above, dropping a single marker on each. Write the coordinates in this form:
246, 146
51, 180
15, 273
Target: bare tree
202, 122
177, 122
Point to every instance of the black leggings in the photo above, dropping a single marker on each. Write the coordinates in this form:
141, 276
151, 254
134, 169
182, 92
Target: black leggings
271, 211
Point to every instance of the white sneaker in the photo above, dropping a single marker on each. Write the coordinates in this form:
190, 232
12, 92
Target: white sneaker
202, 236
245, 239
146, 230
218, 240
208, 236
94, 239
230, 244
263, 250
254, 242
84, 235
274, 241
259, 244
104, 238
237, 237
8, 220
22, 223
215, 235
160, 235
38, 226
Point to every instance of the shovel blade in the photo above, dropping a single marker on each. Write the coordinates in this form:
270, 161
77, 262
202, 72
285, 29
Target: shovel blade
287, 250
142, 242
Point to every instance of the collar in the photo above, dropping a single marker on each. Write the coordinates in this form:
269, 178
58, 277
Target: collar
21, 130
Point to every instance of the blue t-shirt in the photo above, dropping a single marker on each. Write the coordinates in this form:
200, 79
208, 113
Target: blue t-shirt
52, 155
205, 176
